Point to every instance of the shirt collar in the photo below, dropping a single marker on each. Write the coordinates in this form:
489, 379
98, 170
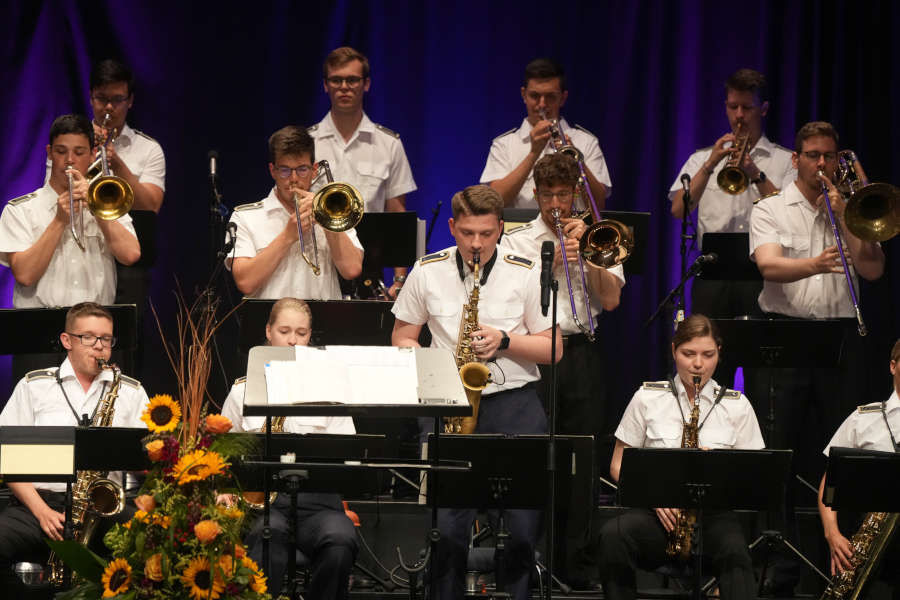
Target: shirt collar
793, 195
126, 133
525, 128
66, 371
706, 392
893, 403
485, 267
765, 145
329, 129
541, 229
272, 203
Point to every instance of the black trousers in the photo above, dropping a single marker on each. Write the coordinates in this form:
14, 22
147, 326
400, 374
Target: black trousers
637, 540
324, 534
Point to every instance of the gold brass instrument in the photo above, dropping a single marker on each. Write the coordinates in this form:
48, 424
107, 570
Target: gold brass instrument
109, 197
680, 538
873, 209
868, 545
76, 219
256, 500
732, 179
93, 495
474, 374
336, 207
558, 140
589, 330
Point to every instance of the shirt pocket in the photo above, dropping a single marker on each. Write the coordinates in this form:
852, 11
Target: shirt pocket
795, 246
501, 316
663, 435
446, 313
372, 179
722, 436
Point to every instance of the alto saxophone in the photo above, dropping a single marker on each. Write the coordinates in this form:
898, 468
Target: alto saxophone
256, 500
475, 375
868, 545
679, 545
93, 495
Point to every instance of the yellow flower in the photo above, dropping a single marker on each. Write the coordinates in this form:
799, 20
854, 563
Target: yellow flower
145, 502
140, 515
218, 424
199, 581
230, 512
153, 568
226, 565
116, 578
258, 581
206, 530
162, 414
197, 466
155, 449
240, 551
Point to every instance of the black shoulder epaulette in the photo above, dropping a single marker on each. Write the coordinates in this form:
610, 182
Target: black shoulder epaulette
518, 228
513, 130
869, 408
41, 374
577, 126
659, 386
729, 394
437, 256
761, 198
144, 135
22, 199
130, 381
240, 380
249, 205
518, 260
387, 131
312, 128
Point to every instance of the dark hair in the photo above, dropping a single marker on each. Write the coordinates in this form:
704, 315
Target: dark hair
78, 124
477, 200
544, 68
696, 326
748, 80
291, 141
813, 129
556, 169
895, 351
86, 309
341, 56
111, 71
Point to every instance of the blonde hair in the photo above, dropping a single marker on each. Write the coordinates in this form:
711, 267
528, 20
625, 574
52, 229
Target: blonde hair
477, 200
289, 303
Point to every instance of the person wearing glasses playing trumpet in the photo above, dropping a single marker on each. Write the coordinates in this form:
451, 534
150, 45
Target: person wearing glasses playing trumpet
514, 153
267, 261
364, 154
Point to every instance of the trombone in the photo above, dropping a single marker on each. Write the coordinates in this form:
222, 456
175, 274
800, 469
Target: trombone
873, 209
336, 207
77, 232
589, 330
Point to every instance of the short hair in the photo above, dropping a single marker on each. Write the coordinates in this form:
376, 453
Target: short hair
477, 200
696, 326
895, 351
292, 141
814, 129
78, 124
341, 56
288, 303
544, 68
111, 71
86, 309
748, 80
556, 169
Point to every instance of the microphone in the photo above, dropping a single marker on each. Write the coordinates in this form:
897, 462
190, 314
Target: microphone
213, 157
705, 259
546, 275
686, 183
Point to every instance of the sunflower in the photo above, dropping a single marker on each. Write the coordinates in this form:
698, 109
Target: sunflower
116, 578
257, 579
197, 466
198, 579
162, 414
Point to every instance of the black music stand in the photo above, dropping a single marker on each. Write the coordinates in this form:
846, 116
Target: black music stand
733, 251
849, 480
389, 240
700, 480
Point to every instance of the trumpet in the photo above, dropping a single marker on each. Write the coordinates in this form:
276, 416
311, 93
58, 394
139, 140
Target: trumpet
732, 179
558, 140
109, 197
873, 209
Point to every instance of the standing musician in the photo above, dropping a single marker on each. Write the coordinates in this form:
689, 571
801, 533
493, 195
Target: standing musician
873, 426
511, 335
656, 417
324, 533
267, 261
66, 395
364, 154
514, 153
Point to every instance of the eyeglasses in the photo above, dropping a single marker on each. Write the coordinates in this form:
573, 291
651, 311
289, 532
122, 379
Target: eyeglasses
815, 155
104, 100
285, 172
547, 196
351, 81
87, 339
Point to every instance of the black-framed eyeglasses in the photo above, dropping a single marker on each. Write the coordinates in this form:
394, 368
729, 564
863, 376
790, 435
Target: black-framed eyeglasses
351, 81
114, 100
88, 339
815, 155
547, 195
285, 172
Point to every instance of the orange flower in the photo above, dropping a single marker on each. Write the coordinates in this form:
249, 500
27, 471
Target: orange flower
218, 424
155, 449
145, 502
239, 551
207, 530
153, 568
226, 564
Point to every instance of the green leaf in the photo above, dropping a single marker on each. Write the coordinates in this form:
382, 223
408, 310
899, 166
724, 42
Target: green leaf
88, 565
87, 591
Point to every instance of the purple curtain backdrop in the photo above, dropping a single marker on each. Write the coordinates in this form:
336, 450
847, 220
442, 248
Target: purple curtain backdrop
645, 77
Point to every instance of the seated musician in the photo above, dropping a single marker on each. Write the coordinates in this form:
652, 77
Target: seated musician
267, 261
511, 334
656, 417
324, 533
63, 396
873, 426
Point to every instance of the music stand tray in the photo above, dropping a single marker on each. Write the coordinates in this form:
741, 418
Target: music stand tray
733, 250
864, 480
782, 343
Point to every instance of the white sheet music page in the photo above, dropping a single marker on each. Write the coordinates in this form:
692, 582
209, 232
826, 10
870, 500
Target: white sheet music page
310, 377
378, 374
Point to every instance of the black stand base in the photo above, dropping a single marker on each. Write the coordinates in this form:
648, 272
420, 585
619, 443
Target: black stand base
771, 541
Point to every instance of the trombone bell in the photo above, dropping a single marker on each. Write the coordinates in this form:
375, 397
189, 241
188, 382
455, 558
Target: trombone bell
873, 212
338, 207
607, 243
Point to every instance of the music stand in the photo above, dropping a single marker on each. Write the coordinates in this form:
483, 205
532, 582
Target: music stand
849, 480
699, 480
733, 251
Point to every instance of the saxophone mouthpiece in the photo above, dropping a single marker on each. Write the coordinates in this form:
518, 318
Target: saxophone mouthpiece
697, 380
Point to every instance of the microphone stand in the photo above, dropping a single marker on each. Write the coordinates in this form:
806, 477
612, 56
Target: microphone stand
683, 250
678, 290
551, 445
434, 215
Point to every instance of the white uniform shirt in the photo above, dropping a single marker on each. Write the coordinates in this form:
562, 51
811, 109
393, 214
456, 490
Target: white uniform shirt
258, 224
510, 149
373, 161
526, 241
234, 410
653, 419
143, 155
865, 427
73, 275
510, 300
720, 212
38, 400
802, 231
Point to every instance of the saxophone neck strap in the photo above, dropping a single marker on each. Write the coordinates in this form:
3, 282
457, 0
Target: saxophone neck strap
719, 396
888, 425
485, 267
83, 420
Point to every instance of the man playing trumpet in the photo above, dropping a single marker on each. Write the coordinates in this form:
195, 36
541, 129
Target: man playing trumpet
267, 261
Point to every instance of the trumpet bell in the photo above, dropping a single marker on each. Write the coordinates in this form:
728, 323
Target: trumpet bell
109, 197
732, 180
873, 212
338, 207
606, 243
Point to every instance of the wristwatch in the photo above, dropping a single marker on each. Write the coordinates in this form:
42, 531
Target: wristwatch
400, 279
504, 341
761, 178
